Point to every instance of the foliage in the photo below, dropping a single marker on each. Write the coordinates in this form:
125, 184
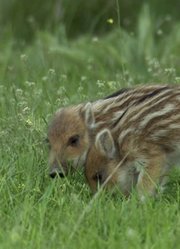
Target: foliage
55, 71
23, 19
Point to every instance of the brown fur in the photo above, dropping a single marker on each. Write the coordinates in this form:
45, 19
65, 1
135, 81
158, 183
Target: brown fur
85, 121
66, 124
147, 136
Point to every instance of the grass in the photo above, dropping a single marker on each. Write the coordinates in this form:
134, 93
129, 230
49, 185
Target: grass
37, 212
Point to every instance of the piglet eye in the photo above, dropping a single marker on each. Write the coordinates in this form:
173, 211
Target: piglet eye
98, 177
74, 140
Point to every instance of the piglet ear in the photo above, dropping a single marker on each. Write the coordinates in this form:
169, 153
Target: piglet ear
105, 143
88, 115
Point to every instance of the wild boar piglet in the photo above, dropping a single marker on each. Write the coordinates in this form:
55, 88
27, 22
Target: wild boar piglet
73, 129
140, 149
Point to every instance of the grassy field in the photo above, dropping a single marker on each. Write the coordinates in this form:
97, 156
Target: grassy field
38, 212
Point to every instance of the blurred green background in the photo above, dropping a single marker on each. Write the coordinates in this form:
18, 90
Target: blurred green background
127, 42
23, 19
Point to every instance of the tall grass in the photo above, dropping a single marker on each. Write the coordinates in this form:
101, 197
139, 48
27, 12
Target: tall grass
52, 71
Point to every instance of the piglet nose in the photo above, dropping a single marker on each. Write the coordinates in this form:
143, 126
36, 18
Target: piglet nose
56, 173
